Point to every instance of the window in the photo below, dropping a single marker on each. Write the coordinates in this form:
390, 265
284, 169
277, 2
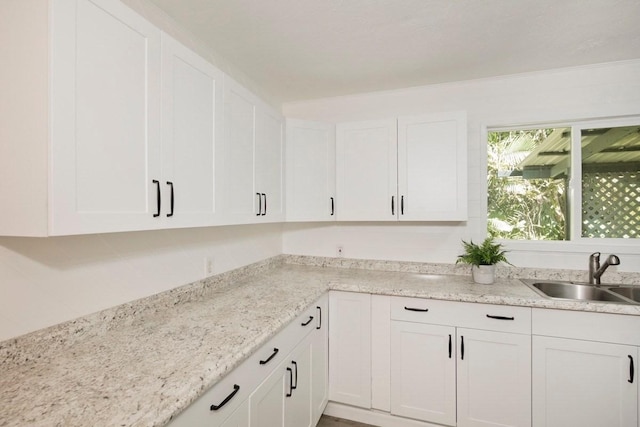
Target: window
564, 183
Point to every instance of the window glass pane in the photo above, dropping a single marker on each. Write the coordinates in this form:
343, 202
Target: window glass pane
528, 173
611, 182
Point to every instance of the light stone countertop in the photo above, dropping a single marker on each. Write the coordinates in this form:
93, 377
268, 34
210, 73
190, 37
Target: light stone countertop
151, 362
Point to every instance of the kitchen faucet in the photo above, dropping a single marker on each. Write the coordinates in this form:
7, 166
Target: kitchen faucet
595, 270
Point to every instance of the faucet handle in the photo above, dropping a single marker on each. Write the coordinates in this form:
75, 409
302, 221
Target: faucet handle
595, 255
613, 260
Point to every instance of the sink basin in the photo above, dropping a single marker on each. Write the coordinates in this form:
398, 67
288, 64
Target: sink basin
585, 292
631, 292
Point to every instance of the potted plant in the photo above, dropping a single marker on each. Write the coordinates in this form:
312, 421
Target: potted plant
483, 259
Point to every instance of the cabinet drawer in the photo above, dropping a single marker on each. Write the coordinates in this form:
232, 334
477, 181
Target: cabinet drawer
501, 318
604, 327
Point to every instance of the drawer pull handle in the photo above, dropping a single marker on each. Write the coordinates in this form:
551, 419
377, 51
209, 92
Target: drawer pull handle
226, 400
290, 392
333, 210
423, 310
393, 207
294, 385
259, 204
158, 198
631, 370
461, 347
265, 204
308, 321
268, 359
319, 317
450, 346
170, 184
500, 317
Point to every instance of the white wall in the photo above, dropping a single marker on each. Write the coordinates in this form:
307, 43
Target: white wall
605, 90
45, 281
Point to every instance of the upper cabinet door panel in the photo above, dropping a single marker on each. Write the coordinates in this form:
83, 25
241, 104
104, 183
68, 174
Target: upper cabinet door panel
366, 154
269, 152
432, 167
311, 159
105, 118
191, 132
240, 201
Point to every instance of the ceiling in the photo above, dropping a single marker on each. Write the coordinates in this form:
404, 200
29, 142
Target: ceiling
305, 49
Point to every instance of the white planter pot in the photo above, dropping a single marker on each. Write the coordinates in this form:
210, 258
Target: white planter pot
484, 274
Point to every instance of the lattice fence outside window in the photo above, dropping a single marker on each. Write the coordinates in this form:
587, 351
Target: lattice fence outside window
611, 205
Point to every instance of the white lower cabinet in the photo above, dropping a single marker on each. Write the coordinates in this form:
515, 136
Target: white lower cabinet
424, 384
578, 379
239, 418
267, 402
423, 372
297, 402
449, 363
284, 383
583, 383
320, 362
494, 378
350, 349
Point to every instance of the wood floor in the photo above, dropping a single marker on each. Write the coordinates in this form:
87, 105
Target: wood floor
327, 421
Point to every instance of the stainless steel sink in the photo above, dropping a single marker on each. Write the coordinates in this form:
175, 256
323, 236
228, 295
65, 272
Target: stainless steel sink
631, 292
585, 292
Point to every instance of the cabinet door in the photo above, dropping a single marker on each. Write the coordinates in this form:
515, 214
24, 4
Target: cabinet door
240, 417
311, 171
432, 167
494, 378
320, 361
240, 203
423, 372
583, 383
350, 349
366, 167
297, 406
191, 131
266, 404
105, 93
269, 156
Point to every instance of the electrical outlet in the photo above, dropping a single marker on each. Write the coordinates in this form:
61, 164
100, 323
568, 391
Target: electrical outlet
339, 251
209, 266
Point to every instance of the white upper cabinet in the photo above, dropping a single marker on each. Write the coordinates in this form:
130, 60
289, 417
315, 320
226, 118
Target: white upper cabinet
311, 171
252, 157
409, 169
366, 168
269, 160
240, 201
127, 136
432, 167
191, 133
105, 118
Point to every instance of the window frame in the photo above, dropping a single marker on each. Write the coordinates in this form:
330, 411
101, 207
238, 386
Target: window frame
576, 242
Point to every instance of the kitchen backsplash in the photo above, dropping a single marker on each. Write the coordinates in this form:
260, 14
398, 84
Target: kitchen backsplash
504, 271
